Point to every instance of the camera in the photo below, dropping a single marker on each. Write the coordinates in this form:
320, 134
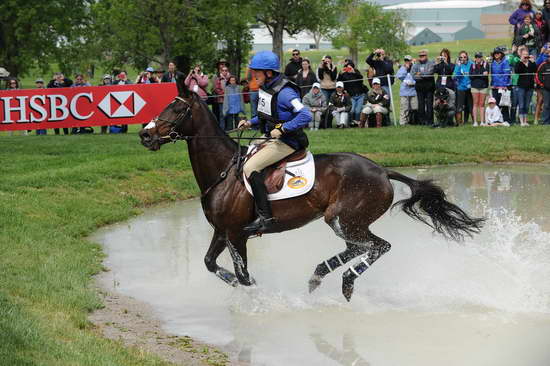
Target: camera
378, 54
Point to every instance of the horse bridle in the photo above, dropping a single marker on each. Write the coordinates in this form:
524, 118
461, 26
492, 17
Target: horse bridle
174, 135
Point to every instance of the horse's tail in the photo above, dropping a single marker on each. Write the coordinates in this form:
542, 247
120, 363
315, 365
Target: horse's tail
446, 218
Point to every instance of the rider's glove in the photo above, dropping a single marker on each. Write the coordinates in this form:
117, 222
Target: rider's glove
277, 132
244, 125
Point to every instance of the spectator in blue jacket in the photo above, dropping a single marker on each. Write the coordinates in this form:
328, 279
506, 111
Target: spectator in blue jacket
464, 102
501, 80
233, 104
407, 91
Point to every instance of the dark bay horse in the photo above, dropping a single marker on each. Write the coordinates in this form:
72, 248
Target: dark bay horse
350, 193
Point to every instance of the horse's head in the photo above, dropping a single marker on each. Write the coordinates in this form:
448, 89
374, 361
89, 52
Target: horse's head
172, 123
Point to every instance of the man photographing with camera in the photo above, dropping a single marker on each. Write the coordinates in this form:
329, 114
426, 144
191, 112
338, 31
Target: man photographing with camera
382, 66
327, 74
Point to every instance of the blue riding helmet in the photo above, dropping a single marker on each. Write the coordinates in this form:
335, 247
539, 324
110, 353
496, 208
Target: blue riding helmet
265, 60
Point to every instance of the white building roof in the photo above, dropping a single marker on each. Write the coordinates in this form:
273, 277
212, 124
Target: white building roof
446, 4
445, 29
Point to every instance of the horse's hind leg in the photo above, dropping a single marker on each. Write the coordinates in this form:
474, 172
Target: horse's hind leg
377, 248
217, 246
324, 268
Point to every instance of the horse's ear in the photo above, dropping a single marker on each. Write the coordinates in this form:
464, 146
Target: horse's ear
183, 90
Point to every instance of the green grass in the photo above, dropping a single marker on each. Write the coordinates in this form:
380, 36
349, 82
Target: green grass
55, 190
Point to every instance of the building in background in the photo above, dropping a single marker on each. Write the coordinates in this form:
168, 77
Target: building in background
303, 41
452, 20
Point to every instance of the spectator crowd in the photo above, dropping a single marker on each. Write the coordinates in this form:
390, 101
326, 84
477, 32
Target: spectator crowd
495, 89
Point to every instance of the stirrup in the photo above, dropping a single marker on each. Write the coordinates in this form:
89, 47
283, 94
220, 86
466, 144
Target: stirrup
260, 225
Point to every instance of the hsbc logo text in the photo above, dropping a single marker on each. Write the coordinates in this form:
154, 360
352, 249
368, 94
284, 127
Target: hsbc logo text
27, 109
121, 104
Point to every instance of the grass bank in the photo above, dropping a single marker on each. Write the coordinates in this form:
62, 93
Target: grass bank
55, 190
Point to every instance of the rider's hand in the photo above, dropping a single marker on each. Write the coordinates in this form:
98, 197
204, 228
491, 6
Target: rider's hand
276, 133
244, 125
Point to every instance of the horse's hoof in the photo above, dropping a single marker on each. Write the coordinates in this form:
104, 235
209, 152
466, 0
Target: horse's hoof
347, 290
227, 277
314, 282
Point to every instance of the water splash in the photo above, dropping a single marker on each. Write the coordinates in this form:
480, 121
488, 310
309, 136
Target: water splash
506, 268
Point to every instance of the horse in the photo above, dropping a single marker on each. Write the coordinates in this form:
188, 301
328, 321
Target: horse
350, 192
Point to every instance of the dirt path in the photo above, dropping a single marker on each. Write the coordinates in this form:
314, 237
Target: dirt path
134, 324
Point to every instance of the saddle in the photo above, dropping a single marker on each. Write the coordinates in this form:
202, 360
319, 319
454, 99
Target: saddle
275, 174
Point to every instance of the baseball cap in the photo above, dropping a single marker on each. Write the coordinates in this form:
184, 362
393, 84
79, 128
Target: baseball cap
316, 85
408, 58
39, 81
492, 100
107, 76
376, 81
479, 54
150, 69
423, 52
339, 84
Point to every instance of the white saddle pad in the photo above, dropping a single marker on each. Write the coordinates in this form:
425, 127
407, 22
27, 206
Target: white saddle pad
299, 182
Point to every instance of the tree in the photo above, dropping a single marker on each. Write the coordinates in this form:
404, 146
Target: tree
37, 33
141, 32
368, 26
332, 15
292, 16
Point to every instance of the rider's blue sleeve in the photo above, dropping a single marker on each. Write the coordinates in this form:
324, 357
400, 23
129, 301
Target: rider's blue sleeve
289, 100
255, 121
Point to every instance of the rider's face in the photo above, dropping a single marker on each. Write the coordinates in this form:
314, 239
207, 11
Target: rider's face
259, 75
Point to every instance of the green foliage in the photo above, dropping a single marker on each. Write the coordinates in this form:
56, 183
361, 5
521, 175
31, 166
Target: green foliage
292, 16
368, 26
37, 33
145, 32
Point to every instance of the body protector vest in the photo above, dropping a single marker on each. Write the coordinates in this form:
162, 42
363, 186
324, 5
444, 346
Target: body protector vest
269, 116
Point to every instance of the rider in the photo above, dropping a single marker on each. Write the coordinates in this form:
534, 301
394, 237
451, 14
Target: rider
281, 116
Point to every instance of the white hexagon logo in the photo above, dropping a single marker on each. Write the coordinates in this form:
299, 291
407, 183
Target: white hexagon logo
121, 104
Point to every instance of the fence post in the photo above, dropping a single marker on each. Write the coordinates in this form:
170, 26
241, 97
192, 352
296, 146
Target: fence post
395, 121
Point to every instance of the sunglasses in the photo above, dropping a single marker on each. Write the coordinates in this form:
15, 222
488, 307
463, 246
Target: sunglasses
295, 54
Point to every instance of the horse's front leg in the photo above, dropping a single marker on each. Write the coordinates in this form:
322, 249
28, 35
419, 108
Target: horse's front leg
217, 245
236, 244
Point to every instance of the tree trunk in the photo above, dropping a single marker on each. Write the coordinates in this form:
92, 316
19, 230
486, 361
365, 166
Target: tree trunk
354, 53
277, 35
317, 39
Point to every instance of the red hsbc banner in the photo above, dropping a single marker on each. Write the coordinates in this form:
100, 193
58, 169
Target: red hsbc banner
31, 109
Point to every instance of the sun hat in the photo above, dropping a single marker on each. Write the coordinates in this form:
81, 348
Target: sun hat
407, 58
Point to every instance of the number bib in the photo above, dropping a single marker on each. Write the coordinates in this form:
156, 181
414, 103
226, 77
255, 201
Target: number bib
264, 103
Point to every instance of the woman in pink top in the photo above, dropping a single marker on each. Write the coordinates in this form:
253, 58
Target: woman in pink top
197, 82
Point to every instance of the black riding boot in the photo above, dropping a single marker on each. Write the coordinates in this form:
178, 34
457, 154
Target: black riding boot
265, 219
